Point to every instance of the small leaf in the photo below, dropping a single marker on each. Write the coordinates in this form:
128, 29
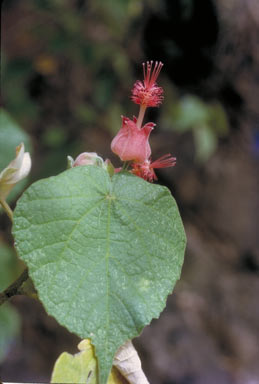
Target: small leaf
103, 253
81, 367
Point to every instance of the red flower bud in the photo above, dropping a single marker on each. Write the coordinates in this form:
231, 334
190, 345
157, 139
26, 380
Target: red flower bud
131, 143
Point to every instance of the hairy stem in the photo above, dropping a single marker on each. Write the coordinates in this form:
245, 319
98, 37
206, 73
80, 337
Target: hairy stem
7, 209
14, 288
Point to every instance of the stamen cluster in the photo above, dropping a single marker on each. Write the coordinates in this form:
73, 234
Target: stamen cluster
131, 143
147, 92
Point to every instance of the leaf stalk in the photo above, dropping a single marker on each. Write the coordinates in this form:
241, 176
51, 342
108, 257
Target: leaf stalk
14, 288
7, 209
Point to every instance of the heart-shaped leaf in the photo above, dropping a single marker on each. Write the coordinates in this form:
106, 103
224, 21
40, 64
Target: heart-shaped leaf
103, 253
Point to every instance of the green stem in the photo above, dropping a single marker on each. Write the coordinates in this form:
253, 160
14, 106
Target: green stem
14, 288
7, 209
125, 165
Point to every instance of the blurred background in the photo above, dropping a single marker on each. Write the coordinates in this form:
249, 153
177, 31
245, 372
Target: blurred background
67, 68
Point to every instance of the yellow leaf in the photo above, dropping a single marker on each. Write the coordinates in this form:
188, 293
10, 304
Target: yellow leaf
81, 367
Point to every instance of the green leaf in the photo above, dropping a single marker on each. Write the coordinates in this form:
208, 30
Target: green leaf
9, 328
103, 253
11, 135
9, 318
9, 268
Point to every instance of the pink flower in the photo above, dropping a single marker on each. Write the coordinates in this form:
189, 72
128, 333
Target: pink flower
146, 171
147, 93
131, 143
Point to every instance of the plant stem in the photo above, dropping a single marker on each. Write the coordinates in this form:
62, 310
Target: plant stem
125, 165
7, 209
14, 288
141, 114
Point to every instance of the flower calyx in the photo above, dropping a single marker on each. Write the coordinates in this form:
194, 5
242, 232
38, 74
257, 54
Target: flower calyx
131, 142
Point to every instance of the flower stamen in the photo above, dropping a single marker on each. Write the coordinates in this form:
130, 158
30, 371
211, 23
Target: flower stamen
146, 92
146, 171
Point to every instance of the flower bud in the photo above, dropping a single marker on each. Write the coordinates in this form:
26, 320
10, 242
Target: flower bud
87, 158
17, 170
